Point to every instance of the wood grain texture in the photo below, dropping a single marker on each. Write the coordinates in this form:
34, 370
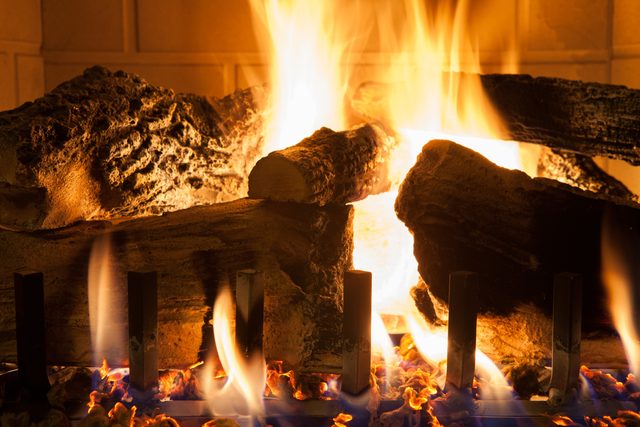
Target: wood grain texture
326, 168
581, 172
593, 119
302, 250
466, 213
108, 144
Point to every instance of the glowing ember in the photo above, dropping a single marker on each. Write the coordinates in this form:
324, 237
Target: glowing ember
561, 420
341, 420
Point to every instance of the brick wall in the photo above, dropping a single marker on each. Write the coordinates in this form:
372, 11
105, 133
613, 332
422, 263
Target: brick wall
208, 46
21, 67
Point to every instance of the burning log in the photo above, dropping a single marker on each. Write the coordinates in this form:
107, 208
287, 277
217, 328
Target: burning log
326, 168
581, 172
302, 251
588, 118
108, 144
466, 213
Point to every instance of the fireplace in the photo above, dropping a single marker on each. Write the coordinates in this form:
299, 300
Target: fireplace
124, 191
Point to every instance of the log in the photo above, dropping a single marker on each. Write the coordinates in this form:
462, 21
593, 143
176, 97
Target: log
593, 119
301, 250
326, 168
466, 213
581, 172
22, 207
523, 335
108, 144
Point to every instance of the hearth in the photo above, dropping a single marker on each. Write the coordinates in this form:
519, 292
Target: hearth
424, 244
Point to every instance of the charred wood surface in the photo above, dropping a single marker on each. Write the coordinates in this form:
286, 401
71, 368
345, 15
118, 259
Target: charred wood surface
466, 213
301, 250
589, 118
524, 334
326, 168
108, 144
581, 172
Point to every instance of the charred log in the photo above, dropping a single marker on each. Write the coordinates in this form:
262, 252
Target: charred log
588, 118
581, 172
108, 144
466, 213
302, 251
326, 168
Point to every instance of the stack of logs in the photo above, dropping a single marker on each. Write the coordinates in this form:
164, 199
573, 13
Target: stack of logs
125, 133
296, 228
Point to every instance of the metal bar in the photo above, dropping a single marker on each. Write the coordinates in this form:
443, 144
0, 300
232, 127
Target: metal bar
249, 311
356, 362
567, 328
143, 330
31, 335
463, 311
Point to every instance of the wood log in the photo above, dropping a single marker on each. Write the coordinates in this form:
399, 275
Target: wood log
593, 119
22, 207
301, 250
108, 144
523, 334
581, 172
466, 213
326, 168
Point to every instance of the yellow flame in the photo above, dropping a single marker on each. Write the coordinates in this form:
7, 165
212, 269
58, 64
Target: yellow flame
242, 391
617, 273
106, 313
425, 49
429, 99
305, 73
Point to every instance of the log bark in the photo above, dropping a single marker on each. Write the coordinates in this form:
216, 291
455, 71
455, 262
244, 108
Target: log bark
581, 172
588, 118
22, 207
466, 213
326, 168
108, 144
302, 251
525, 335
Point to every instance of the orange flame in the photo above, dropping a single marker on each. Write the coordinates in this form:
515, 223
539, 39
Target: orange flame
341, 420
311, 46
106, 312
619, 245
562, 420
242, 390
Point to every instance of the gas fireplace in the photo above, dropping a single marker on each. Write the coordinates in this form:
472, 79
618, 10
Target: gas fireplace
301, 213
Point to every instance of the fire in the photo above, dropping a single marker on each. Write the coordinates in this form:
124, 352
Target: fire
304, 46
106, 313
104, 369
618, 245
341, 420
309, 46
241, 391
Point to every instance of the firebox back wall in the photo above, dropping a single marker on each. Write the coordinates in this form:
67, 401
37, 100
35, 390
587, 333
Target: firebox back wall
209, 46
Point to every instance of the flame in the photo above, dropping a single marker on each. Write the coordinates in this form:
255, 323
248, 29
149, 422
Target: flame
430, 100
562, 420
619, 245
305, 49
241, 391
341, 420
425, 49
106, 313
